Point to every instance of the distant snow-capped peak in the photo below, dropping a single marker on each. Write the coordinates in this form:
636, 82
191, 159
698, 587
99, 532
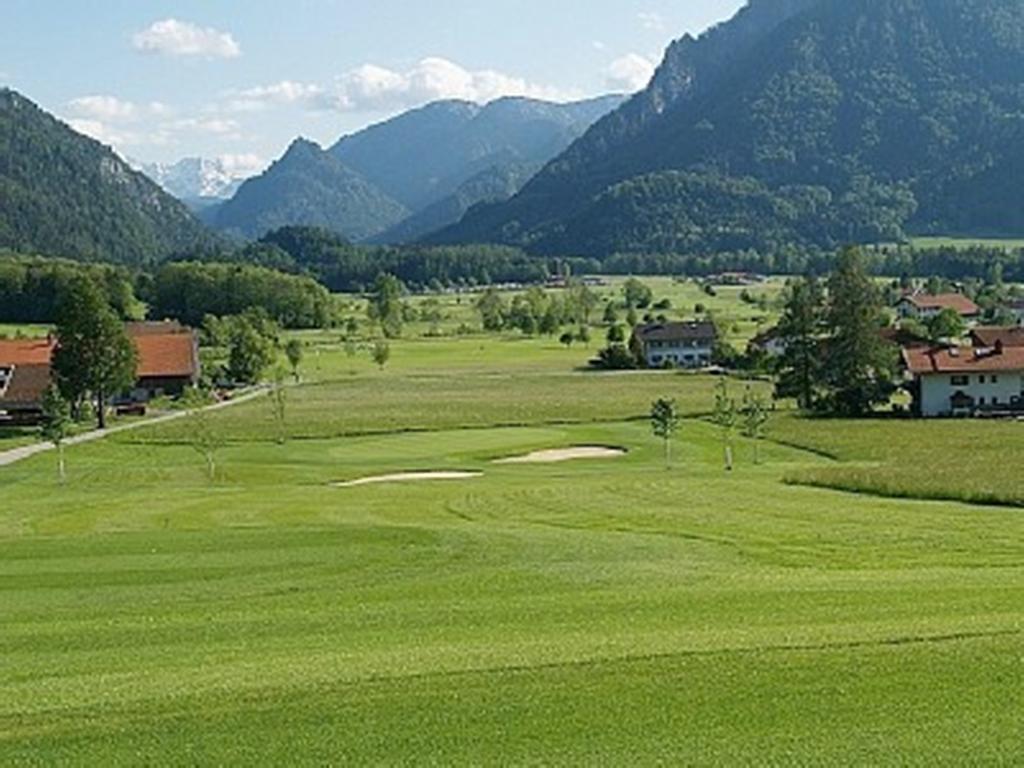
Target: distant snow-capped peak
201, 178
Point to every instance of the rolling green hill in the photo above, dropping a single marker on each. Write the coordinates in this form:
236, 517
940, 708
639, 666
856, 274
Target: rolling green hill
64, 194
878, 116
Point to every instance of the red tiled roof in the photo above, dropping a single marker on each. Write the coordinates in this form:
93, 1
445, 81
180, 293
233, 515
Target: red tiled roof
963, 360
27, 385
170, 355
989, 337
955, 301
25, 351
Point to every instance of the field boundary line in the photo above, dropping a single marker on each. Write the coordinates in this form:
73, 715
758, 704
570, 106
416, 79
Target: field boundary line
16, 455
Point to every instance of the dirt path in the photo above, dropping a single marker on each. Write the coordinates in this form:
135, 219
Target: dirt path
14, 455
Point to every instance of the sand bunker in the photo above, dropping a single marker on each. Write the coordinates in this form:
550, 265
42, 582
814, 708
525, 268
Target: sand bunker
566, 454
409, 477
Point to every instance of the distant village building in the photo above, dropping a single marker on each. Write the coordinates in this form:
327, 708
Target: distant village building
168, 363
770, 343
961, 381
923, 307
681, 345
24, 377
989, 338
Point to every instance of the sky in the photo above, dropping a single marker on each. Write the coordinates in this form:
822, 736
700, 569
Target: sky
160, 80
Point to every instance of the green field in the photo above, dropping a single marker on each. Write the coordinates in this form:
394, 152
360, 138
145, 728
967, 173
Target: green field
592, 612
926, 243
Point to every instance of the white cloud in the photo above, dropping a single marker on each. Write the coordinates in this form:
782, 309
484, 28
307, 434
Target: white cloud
242, 166
214, 125
115, 137
372, 88
629, 73
651, 21
284, 92
171, 37
103, 108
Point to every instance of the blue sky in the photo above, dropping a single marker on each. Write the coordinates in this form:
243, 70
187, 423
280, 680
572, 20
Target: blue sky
161, 80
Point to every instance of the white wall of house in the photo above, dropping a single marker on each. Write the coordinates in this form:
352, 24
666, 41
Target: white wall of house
682, 354
996, 389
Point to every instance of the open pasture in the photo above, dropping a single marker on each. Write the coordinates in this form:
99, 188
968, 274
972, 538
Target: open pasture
970, 461
600, 611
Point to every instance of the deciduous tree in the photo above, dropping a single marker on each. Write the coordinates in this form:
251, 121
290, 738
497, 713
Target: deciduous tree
94, 354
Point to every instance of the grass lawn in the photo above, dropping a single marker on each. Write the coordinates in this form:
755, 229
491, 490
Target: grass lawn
971, 461
609, 611
603, 611
967, 242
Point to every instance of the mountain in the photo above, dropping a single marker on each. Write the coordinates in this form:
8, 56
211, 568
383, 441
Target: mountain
423, 156
494, 184
308, 187
64, 194
197, 182
798, 121
413, 174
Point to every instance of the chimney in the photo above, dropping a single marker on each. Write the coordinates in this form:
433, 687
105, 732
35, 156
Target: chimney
999, 347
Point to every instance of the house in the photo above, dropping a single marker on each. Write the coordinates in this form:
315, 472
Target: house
920, 306
681, 345
990, 337
24, 379
770, 343
168, 363
168, 359
955, 381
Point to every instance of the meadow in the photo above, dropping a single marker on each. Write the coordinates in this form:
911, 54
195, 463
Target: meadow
948, 460
614, 611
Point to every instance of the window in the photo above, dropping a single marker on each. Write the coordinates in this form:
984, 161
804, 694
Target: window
981, 379
995, 379
960, 381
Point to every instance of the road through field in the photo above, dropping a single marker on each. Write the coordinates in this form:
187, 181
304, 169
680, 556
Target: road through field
14, 455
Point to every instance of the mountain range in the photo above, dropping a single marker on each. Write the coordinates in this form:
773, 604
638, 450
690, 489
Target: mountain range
413, 174
800, 124
807, 122
64, 194
197, 181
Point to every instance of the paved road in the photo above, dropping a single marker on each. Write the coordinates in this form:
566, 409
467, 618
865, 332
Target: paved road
15, 455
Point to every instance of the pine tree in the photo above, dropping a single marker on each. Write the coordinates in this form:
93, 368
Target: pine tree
801, 327
859, 367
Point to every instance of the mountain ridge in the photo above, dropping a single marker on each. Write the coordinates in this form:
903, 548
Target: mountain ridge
872, 118
65, 194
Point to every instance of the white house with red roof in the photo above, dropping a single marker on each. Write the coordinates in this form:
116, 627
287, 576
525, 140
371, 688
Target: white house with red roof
921, 306
965, 381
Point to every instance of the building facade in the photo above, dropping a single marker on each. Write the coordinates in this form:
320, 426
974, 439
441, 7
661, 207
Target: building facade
961, 381
677, 345
923, 307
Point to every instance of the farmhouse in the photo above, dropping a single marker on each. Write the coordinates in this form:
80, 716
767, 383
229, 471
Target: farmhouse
24, 377
168, 359
682, 345
168, 363
770, 343
920, 306
955, 381
989, 338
